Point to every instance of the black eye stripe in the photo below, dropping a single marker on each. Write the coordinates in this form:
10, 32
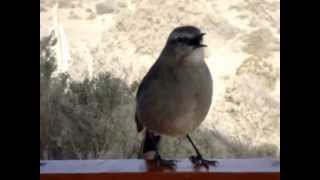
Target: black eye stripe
194, 41
188, 40
182, 39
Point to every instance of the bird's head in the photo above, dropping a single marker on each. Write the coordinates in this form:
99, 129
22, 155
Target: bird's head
186, 41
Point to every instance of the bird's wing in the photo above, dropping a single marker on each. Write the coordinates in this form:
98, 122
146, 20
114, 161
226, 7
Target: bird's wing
138, 123
144, 86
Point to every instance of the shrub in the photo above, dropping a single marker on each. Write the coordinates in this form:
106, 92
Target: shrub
88, 119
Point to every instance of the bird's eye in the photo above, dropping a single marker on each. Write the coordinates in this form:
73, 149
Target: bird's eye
184, 40
194, 41
181, 39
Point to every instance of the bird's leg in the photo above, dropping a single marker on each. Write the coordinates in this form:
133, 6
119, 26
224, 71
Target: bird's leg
152, 144
164, 162
198, 159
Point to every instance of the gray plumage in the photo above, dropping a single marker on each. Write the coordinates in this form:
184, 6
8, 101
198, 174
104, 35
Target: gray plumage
175, 95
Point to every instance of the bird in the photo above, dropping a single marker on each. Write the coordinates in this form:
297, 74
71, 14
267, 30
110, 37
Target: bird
175, 95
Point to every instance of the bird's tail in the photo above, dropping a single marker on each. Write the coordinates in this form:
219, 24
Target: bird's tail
149, 145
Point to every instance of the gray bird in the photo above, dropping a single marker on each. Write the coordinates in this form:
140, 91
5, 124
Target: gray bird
175, 95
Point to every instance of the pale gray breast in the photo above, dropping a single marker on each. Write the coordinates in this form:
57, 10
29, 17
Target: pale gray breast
177, 100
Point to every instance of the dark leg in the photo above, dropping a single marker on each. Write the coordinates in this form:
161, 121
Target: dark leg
198, 159
164, 162
151, 143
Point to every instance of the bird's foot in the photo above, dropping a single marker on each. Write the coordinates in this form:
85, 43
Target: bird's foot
199, 161
165, 163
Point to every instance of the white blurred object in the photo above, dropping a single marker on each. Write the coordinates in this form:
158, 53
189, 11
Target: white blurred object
61, 48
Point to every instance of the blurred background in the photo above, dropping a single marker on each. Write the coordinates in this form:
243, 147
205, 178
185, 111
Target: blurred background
94, 53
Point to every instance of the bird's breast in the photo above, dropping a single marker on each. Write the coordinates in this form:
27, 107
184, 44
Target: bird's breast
178, 101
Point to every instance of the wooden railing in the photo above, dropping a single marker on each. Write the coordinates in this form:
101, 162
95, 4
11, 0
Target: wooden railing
228, 169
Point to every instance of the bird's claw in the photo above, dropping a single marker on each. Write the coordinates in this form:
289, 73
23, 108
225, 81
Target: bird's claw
166, 163
199, 161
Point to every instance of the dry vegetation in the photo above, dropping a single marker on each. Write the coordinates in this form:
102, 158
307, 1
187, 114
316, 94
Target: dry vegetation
87, 119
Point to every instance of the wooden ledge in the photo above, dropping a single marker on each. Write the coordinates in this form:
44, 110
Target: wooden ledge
235, 169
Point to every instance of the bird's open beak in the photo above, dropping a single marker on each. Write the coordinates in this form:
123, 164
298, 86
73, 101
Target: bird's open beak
200, 37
